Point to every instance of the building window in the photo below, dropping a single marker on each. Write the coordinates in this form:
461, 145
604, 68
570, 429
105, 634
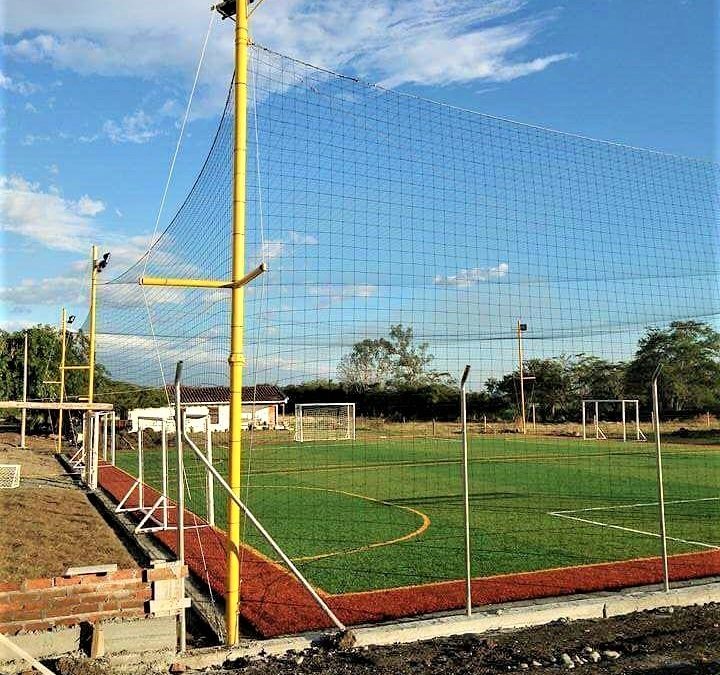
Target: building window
214, 415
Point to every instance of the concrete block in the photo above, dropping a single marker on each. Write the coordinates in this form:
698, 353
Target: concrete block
144, 635
47, 644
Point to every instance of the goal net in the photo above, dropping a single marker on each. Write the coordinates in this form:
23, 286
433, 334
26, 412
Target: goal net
324, 422
9, 476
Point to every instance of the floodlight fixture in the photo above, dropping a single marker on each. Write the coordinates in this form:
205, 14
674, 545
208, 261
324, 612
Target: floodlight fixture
70, 319
522, 327
102, 264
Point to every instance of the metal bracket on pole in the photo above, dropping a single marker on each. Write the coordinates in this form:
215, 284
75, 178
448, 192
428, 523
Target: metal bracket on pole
172, 282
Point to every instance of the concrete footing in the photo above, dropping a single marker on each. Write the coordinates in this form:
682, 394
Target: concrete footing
122, 641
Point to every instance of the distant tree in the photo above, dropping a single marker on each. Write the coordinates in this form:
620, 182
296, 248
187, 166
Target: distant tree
593, 377
392, 362
369, 364
689, 352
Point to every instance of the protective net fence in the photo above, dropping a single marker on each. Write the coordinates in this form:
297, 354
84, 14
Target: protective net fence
405, 239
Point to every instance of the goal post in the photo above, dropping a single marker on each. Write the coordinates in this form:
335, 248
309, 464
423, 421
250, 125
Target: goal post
629, 418
324, 422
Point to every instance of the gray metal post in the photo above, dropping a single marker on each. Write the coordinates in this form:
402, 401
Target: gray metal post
661, 490
182, 638
23, 414
466, 490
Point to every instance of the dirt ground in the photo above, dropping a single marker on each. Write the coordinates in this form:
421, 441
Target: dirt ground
53, 526
685, 641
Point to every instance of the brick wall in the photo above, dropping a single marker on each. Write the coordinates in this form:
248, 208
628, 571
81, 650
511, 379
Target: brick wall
40, 604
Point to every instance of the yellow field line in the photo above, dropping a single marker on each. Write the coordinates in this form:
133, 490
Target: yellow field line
366, 547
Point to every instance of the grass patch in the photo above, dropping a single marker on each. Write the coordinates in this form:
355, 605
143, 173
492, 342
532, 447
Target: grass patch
309, 496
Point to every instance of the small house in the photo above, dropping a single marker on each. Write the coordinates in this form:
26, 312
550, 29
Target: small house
263, 408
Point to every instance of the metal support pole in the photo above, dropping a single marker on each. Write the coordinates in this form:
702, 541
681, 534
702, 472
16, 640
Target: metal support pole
624, 422
63, 332
265, 534
466, 490
182, 639
140, 473
522, 376
92, 482
597, 420
584, 421
209, 480
637, 420
534, 420
232, 598
113, 422
23, 414
661, 489
93, 306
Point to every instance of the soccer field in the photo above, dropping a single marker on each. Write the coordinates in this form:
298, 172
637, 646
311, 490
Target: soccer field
388, 512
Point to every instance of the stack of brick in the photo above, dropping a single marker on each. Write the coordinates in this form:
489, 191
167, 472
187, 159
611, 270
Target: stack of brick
41, 604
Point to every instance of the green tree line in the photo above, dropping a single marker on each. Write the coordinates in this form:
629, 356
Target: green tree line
394, 377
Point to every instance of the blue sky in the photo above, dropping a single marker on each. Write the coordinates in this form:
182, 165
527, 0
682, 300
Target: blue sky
92, 100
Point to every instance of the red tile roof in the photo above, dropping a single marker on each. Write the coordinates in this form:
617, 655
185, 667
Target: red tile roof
262, 393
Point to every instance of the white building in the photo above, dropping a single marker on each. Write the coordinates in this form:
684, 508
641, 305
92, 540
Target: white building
263, 408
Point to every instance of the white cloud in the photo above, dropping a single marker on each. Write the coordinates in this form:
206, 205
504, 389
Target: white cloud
139, 127
301, 238
53, 169
89, 207
31, 139
394, 42
52, 291
30, 108
332, 294
272, 249
16, 86
45, 216
469, 277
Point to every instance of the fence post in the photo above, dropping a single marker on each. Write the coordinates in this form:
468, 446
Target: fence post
466, 492
661, 490
180, 520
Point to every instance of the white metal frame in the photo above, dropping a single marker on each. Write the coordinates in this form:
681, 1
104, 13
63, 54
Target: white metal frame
9, 476
209, 480
300, 408
138, 485
599, 433
150, 522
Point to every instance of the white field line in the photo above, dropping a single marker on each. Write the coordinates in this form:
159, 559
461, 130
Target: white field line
565, 514
633, 506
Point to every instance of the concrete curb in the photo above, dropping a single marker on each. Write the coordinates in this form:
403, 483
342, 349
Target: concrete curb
485, 620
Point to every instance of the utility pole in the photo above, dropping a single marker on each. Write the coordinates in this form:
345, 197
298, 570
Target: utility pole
521, 328
63, 345
23, 417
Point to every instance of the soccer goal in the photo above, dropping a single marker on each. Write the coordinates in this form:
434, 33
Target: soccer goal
603, 427
9, 476
324, 422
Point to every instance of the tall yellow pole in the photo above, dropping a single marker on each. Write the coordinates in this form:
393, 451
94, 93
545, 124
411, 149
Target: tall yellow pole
91, 348
63, 341
232, 599
522, 376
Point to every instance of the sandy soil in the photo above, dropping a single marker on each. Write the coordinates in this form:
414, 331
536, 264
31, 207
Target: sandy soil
48, 524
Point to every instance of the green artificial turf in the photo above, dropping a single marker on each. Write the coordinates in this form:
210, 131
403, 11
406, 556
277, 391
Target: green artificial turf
310, 498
